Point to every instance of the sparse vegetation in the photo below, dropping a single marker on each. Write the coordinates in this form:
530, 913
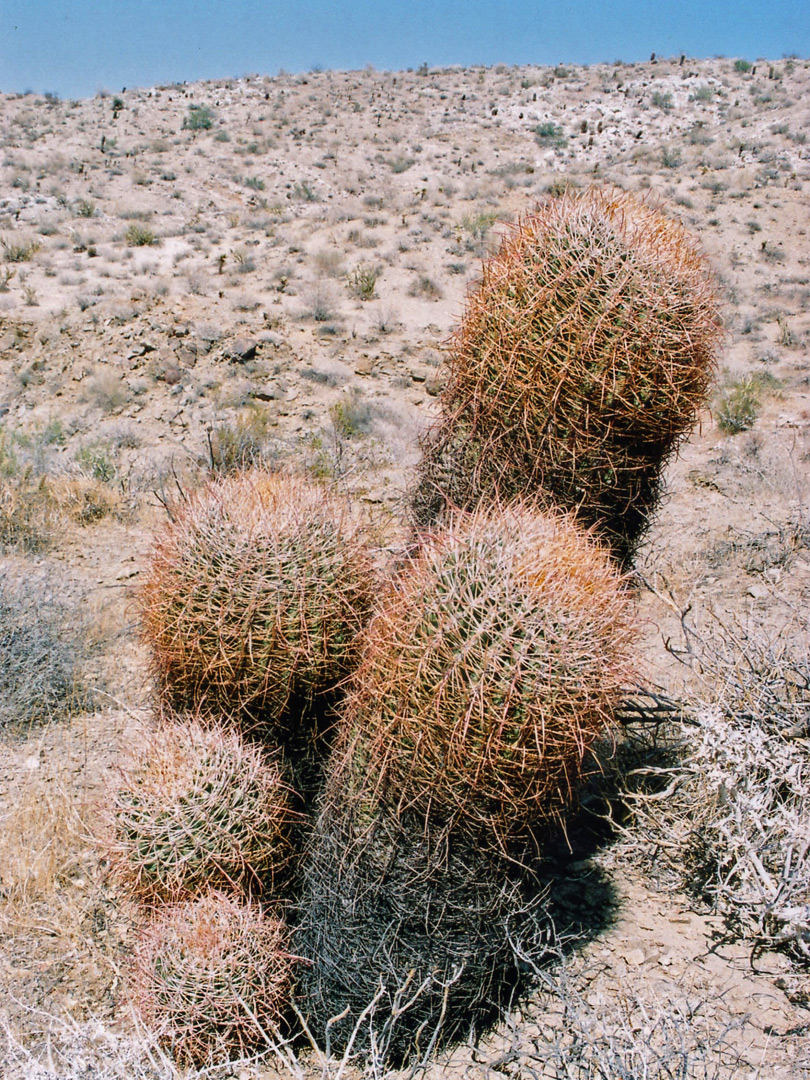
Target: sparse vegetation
237, 338
139, 236
44, 652
738, 404
363, 282
198, 118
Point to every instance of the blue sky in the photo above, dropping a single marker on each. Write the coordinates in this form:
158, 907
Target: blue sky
77, 47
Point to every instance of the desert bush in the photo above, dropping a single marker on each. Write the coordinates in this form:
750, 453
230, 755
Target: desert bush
139, 236
17, 253
743, 66
351, 416
320, 303
733, 829
479, 224
362, 282
88, 500
671, 157
661, 101
30, 516
737, 404
210, 978
550, 134
579, 364
626, 1036
243, 444
197, 808
198, 118
254, 594
44, 651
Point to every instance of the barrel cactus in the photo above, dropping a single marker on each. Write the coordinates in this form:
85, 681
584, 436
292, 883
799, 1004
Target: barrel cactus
580, 363
211, 977
254, 596
489, 671
198, 808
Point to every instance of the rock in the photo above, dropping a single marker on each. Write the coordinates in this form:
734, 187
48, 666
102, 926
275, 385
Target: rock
242, 349
365, 365
633, 956
186, 355
268, 337
171, 374
264, 393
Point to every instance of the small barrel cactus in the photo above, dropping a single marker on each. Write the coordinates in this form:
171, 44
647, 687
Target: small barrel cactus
254, 596
489, 671
198, 808
211, 977
581, 360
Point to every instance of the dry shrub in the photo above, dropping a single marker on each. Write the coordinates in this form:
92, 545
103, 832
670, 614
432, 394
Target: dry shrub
30, 517
615, 1033
733, 829
210, 977
198, 808
43, 656
86, 501
254, 595
490, 670
580, 363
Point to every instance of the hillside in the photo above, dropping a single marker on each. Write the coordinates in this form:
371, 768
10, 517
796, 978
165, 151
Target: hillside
267, 269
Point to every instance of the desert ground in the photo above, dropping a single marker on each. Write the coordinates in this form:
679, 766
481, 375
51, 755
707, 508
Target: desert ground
267, 269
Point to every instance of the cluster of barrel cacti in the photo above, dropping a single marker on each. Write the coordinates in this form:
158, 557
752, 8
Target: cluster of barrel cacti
255, 593
433, 729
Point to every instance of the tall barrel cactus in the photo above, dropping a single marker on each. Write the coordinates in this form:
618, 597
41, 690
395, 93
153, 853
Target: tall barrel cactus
254, 597
579, 365
487, 674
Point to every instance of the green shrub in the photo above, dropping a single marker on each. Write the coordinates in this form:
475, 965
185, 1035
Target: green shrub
550, 134
17, 253
198, 118
139, 236
362, 282
738, 403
